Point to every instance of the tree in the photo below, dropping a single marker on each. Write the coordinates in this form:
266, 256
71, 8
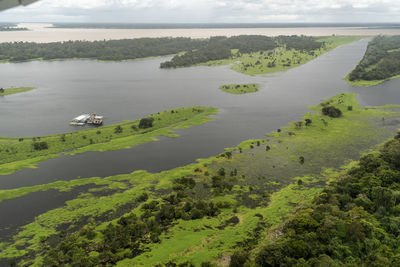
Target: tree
40, 145
331, 111
146, 123
238, 259
118, 129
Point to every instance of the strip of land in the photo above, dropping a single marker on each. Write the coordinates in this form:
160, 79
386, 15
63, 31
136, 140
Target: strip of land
27, 152
14, 90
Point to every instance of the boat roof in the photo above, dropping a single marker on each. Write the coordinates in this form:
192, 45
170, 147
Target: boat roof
82, 117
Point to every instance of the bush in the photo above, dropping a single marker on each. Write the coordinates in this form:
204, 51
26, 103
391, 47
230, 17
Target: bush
238, 259
118, 129
331, 112
146, 123
40, 145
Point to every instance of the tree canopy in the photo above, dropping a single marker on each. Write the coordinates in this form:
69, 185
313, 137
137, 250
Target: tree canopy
381, 60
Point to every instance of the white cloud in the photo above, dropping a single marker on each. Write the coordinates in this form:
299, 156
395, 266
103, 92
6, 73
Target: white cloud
207, 11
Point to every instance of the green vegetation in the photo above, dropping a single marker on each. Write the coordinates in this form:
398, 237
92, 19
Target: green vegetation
288, 52
220, 48
381, 62
100, 50
212, 211
14, 90
353, 222
239, 89
17, 153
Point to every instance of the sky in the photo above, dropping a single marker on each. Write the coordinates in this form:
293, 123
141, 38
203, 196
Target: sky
207, 11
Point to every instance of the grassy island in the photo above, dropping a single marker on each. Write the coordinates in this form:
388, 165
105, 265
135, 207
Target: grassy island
212, 211
25, 152
254, 55
381, 62
239, 89
14, 90
282, 58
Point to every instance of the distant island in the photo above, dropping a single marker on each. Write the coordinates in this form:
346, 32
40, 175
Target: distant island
11, 27
240, 89
256, 54
14, 90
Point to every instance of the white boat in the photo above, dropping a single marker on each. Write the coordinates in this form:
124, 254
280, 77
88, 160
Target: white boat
80, 120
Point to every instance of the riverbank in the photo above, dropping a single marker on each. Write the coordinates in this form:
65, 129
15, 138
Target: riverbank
15, 90
365, 83
26, 152
255, 185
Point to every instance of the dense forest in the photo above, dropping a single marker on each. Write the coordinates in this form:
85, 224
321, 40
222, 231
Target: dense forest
381, 60
196, 50
221, 48
355, 221
101, 50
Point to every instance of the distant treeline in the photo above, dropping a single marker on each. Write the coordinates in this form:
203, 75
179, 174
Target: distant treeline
220, 48
100, 50
196, 50
302, 43
355, 221
381, 60
217, 25
11, 28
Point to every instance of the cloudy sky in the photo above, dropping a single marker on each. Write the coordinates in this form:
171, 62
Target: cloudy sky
202, 11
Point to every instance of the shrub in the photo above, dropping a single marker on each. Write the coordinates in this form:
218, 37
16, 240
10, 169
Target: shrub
118, 129
40, 145
238, 259
146, 123
331, 112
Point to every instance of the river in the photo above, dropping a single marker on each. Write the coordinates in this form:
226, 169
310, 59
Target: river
133, 89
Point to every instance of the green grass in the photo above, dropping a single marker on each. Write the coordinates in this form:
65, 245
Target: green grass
18, 153
239, 89
261, 62
365, 83
15, 90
